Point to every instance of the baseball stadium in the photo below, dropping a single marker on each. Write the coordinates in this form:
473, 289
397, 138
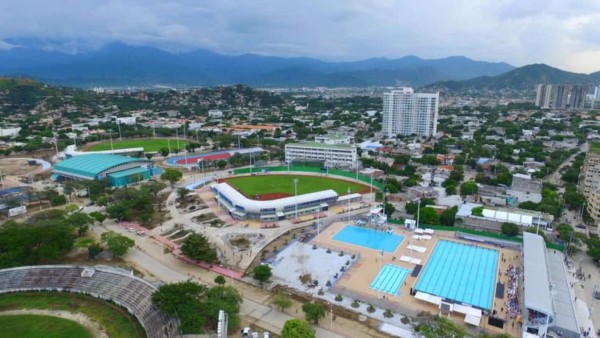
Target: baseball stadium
280, 196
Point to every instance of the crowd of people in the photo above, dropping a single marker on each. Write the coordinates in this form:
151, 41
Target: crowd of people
512, 304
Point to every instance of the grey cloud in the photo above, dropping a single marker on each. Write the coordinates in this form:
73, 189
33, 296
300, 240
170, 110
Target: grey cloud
514, 31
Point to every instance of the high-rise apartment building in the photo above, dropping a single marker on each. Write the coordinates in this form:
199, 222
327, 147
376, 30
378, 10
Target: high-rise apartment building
560, 96
406, 113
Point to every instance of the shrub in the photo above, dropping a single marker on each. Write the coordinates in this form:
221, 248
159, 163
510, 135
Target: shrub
341, 253
347, 262
339, 298
328, 251
355, 304
405, 320
388, 313
353, 256
370, 308
314, 247
321, 292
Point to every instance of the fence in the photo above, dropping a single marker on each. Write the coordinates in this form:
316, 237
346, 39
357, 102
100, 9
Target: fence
335, 172
554, 246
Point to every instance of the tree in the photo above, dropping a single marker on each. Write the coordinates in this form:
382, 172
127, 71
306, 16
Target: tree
182, 192
80, 221
42, 240
94, 250
117, 243
220, 280
154, 187
429, 216
197, 247
262, 273
297, 328
119, 211
389, 209
448, 216
171, 175
98, 216
313, 312
468, 188
282, 301
183, 300
510, 229
221, 164
164, 151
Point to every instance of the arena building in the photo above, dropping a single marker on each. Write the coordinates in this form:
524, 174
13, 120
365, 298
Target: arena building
119, 170
241, 207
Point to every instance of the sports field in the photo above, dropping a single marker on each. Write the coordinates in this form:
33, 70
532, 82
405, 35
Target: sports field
283, 185
116, 321
36, 326
149, 145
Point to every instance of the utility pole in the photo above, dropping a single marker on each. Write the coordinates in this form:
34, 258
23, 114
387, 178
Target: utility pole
296, 195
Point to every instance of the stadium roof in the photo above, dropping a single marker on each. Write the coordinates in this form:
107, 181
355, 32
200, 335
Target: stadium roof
90, 166
255, 206
535, 270
562, 299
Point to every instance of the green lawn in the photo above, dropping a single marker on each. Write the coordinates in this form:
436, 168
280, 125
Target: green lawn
149, 145
265, 184
34, 326
115, 320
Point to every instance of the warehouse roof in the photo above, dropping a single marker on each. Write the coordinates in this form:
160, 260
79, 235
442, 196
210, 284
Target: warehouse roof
90, 166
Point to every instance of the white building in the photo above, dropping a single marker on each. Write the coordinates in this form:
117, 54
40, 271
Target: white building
331, 155
406, 112
331, 139
215, 113
130, 120
9, 132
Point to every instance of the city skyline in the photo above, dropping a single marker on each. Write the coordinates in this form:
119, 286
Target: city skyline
561, 34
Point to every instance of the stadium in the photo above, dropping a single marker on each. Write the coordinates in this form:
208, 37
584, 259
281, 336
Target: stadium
122, 288
267, 198
119, 170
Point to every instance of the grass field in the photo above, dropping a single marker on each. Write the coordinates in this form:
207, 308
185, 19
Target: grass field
149, 145
284, 184
115, 320
34, 326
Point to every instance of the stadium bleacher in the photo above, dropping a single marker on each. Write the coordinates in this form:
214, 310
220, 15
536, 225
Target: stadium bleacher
116, 285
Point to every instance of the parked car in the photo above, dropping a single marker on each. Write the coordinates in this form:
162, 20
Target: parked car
580, 226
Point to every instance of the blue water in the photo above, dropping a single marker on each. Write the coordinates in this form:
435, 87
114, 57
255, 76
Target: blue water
390, 279
461, 272
369, 238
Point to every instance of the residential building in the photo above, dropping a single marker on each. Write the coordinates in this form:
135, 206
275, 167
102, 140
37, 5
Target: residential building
589, 179
130, 120
333, 139
560, 96
329, 154
215, 113
593, 205
406, 113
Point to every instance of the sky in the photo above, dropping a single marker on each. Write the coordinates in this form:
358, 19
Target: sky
561, 33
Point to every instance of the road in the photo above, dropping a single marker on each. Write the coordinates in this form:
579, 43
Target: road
148, 256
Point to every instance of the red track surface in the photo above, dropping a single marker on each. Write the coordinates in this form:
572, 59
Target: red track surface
194, 159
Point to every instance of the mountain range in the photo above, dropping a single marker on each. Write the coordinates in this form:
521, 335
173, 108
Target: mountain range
522, 79
123, 65
120, 65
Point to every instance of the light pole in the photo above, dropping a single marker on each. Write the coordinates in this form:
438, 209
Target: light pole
371, 192
296, 195
349, 203
120, 135
418, 211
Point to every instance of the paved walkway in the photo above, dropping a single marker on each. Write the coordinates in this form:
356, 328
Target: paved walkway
149, 256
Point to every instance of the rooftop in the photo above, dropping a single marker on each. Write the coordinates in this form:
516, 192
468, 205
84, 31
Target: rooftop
320, 145
92, 165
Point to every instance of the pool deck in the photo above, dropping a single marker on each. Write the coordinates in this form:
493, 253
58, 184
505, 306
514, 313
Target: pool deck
357, 280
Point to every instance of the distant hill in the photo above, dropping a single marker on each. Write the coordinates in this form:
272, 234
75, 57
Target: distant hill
523, 79
122, 65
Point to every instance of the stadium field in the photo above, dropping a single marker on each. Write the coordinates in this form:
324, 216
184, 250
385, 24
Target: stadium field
116, 321
37, 326
149, 145
283, 185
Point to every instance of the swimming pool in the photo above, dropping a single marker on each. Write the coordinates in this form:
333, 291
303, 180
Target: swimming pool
461, 272
369, 238
390, 279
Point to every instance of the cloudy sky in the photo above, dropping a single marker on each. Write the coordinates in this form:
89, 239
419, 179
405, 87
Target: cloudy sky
561, 33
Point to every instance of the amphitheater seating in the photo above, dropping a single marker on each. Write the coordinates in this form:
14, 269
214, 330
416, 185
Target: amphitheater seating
107, 283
